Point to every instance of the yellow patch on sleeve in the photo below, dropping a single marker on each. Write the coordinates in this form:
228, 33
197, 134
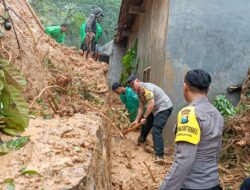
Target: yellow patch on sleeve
148, 94
188, 129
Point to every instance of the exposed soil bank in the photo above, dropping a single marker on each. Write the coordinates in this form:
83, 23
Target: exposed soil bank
69, 153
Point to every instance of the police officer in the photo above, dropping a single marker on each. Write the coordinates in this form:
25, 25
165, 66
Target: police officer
159, 108
198, 139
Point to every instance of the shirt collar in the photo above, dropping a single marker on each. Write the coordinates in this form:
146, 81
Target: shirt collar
200, 100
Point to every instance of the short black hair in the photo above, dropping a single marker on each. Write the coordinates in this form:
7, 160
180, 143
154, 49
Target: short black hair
65, 25
116, 85
198, 80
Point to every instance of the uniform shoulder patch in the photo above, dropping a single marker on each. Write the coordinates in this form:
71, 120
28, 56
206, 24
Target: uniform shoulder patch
188, 129
147, 94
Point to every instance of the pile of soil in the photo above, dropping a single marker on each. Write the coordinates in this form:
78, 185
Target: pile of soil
60, 150
235, 160
67, 97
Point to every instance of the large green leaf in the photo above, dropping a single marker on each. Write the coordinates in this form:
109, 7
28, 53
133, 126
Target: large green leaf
15, 108
13, 75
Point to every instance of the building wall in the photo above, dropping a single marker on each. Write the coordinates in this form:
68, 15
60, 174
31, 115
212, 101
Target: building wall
115, 64
150, 29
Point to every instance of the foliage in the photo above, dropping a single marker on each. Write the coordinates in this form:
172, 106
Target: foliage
16, 144
128, 63
224, 106
24, 171
54, 12
14, 110
10, 184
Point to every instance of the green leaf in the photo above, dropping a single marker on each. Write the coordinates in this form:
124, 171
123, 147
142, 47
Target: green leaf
15, 108
16, 144
11, 132
30, 172
13, 75
10, 184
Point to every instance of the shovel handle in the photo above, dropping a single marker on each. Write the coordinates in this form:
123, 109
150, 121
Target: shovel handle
132, 128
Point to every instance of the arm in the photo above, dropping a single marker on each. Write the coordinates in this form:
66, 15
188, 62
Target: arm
150, 107
89, 23
184, 157
139, 113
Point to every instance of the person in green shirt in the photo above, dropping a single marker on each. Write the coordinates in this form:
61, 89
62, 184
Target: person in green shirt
91, 32
84, 45
57, 32
129, 98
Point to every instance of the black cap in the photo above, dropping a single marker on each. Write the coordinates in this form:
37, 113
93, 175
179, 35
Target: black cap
131, 78
116, 85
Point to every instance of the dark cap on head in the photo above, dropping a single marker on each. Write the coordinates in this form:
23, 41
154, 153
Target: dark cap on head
198, 79
65, 25
116, 85
131, 78
97, 12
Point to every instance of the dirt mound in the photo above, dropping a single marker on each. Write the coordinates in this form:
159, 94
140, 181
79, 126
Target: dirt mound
236, 143
39, 54
66, 151
60, 150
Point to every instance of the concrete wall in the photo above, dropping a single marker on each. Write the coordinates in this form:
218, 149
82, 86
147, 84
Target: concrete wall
115, 64
211, 35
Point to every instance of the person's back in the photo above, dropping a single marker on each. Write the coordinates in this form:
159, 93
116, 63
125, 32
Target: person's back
162, 101
130, 99
204, 171
57, 32
99, 31
198, 139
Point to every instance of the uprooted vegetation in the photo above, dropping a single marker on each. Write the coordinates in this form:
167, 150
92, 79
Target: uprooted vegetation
236, 141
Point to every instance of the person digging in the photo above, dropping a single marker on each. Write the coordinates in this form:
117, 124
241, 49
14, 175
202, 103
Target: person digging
159, 108
129, 98
90, 33
57, 32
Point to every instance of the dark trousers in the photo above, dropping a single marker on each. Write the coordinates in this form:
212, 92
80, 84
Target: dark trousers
246, 184
157, 124
217, 187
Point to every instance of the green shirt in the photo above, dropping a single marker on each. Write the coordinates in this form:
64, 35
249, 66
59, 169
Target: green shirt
131, 102
55, 32
97, 35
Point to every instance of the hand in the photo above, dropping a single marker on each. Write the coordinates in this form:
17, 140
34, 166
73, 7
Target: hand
143, 121
134, 123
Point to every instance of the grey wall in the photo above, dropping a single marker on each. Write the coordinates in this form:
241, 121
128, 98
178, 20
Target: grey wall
115, 64
207, 34
212, 35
